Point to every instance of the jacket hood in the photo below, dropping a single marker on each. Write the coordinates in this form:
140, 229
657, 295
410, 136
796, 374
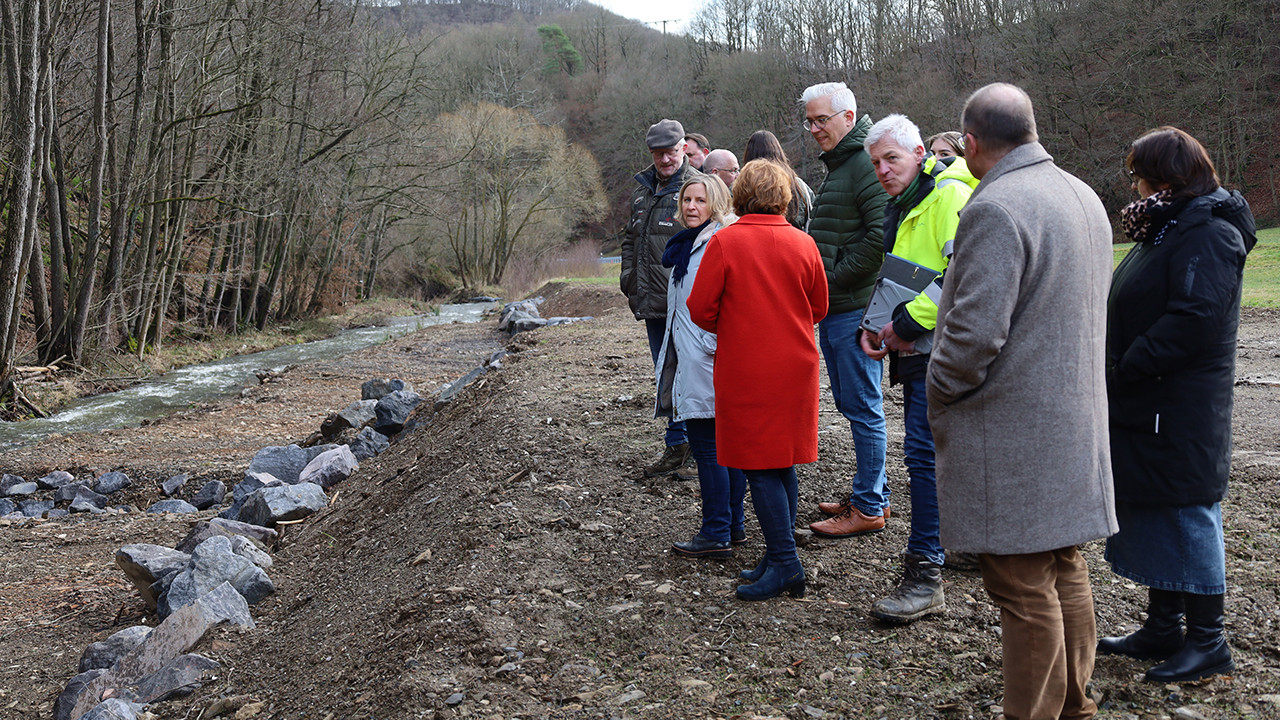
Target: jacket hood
849, 144
1226, 205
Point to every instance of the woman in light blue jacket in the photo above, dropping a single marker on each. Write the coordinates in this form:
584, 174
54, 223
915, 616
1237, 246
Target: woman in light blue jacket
686, 389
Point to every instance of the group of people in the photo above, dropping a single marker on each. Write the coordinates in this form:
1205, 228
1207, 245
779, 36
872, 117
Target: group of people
1047, 402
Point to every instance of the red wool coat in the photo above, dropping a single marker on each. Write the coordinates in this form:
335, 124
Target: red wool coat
760, 289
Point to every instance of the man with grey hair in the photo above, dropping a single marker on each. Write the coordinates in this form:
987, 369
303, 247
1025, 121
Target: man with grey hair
925, 197
1018, 401
643, 278
847, 225
723, 164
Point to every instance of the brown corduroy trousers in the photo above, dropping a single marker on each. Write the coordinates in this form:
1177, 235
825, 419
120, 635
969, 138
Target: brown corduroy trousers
1048, 631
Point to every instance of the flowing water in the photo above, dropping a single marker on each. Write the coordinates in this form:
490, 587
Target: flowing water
194, 384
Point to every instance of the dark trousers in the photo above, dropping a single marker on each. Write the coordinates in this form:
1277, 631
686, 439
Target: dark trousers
723, 489
775, 495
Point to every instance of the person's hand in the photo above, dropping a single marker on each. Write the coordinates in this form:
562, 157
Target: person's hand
888, 338
875, 353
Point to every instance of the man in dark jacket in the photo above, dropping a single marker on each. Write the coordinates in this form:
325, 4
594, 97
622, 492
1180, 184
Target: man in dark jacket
847, 224
643, 279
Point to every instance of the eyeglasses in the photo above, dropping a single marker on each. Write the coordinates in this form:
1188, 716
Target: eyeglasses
820, 121
731, 171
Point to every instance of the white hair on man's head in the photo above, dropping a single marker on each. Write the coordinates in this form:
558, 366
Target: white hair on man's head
841, 96
897, 128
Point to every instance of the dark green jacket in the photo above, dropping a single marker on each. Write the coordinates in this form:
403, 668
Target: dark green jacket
848, 221
653, 221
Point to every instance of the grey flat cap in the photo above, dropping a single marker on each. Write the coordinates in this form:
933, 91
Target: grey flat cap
664, 134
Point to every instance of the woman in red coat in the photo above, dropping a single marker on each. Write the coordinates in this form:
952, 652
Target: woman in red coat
760, 288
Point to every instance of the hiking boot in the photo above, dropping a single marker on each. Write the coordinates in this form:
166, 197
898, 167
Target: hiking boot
849, 523
1159, 637
701, 547
918, 594
674, 457
835, 508
965, 562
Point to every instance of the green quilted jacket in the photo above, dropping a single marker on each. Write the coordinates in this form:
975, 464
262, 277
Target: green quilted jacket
848, 221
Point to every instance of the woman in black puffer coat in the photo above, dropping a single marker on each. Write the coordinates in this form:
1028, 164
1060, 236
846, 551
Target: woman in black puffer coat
1172, 317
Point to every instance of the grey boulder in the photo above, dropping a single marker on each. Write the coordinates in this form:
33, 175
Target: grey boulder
394, 410
87, 500
379, 388
144, 564
330, 467
22, 489
72, 692
285, 462
104, 653
172, 505
113, 709
112, 482
212, 564
177, 678
211, 494
6, 506
171, 486
7, 481
55, 480
264, 535
69, 492
35, 508
354, 415
368, 443
270, 505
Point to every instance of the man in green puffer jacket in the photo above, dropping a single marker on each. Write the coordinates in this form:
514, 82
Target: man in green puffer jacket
847, 224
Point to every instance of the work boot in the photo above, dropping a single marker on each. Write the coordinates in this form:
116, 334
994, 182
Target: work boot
674, 457
700, 546
849, 523
835, 508
919, 593
1159, 637
1204, 651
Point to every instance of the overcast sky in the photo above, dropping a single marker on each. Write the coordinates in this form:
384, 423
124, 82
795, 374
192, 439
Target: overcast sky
655, 11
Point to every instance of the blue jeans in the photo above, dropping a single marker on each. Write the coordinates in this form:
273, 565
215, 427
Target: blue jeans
723, 489
917, 449
657, 330
775, 495
855, 385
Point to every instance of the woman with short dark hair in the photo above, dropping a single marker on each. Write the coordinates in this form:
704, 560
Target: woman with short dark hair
764, 145
1172, 317
761, 287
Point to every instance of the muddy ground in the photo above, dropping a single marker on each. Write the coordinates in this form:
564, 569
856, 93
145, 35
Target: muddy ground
511, 560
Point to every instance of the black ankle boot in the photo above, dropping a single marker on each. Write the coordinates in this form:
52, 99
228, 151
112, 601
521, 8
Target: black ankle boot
754, 574
1159, 637
1205, 651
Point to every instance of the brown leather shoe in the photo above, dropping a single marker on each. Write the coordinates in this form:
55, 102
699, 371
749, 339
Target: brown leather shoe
849, 523
835, 508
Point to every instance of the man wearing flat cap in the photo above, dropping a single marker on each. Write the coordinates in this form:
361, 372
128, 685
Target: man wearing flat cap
644, 280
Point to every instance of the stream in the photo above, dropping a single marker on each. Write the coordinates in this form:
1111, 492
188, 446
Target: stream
195, 384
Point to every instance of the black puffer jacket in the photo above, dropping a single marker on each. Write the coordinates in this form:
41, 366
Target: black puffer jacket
653, 221
1172, 318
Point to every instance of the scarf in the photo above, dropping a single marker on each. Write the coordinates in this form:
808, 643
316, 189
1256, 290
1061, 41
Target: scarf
1146, 219
679, 248
900, 206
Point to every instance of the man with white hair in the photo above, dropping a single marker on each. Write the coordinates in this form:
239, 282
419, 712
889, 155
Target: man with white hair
723, 164
925, 197
846, 223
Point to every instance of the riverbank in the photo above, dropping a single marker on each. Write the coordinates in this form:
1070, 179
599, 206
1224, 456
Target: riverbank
511, 560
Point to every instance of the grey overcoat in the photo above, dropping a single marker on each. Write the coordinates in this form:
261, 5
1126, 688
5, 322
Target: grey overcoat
1016, 383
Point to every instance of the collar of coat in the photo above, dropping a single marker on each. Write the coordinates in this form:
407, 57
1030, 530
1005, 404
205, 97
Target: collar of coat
762, 219
848, 145
1032, 153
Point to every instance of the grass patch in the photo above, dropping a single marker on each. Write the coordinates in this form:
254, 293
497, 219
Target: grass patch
1261, 269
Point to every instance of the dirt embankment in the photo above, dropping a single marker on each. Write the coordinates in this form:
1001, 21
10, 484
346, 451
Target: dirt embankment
510, 560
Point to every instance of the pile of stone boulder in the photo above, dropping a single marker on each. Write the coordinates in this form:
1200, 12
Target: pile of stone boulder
523, 315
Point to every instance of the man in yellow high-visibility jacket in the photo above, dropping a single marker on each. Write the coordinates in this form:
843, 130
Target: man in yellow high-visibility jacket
925, 197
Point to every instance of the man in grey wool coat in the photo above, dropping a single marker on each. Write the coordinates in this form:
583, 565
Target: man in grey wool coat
1017, 401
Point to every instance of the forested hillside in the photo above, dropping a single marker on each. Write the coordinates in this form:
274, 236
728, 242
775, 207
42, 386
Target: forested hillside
228, 164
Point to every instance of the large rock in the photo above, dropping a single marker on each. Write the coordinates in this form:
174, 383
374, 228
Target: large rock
69, 492
393, 410
354, 415
112, 482
87, 500
211, 494
330, 467
7, 506
200, 532
113, 709
264, 535
212, 564
144, 564
177, 678
55, 480
369, 443
35, 508
252, 482
175, 636
71, 693
270, 505
448, 392
7, 481
104, 653
171, 486
285, 462
251, 550
173, 505
379, 388
22, 489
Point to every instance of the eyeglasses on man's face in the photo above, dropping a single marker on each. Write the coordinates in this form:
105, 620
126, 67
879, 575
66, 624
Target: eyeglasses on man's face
819, 122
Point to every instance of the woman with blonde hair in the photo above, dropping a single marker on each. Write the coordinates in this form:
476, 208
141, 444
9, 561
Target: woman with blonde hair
686, 391
761, 288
